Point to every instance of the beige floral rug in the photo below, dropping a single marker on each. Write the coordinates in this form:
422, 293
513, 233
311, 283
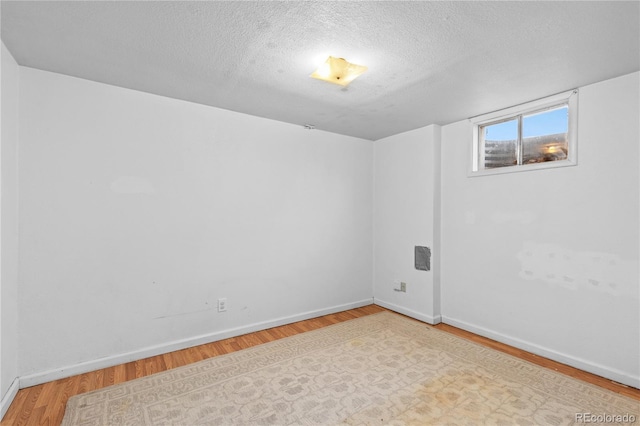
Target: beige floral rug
377, 370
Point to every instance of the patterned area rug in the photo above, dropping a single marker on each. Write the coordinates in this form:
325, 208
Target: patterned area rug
378, 369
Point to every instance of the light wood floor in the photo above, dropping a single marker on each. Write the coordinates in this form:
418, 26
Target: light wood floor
44, 404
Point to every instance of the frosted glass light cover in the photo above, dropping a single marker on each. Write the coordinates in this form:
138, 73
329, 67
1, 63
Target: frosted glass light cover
338, 71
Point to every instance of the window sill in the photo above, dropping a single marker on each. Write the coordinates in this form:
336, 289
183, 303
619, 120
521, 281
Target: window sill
522, 168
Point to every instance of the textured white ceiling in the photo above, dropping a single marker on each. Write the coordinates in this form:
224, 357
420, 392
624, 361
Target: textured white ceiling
429, 62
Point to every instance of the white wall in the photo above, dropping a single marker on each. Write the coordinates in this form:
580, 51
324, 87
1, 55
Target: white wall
548, 260
138, 212
8, 230
406, 206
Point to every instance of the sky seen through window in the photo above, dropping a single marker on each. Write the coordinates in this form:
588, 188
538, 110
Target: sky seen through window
547, 122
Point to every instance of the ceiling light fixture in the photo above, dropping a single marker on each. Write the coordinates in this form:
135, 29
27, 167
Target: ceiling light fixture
338, 71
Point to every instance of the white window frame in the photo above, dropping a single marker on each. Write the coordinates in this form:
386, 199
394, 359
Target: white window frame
569, 98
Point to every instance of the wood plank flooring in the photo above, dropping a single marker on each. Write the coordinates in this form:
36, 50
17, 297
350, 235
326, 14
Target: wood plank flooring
44, 404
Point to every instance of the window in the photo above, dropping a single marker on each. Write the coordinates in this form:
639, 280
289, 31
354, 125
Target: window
537, 135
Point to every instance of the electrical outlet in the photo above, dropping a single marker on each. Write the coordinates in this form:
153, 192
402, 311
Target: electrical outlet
222, 304
403, 286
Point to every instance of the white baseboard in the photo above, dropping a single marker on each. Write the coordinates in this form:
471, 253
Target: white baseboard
408, 312
600, 370
110, 361
8, 397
